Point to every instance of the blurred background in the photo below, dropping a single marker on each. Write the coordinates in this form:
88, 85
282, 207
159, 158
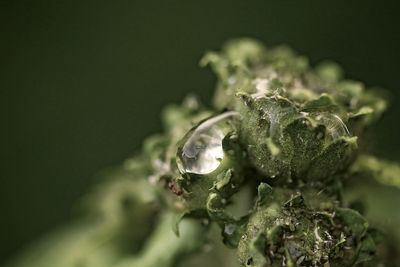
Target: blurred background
83, 82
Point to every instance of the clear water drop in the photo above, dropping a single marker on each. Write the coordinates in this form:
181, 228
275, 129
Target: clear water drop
202, 151
333, 124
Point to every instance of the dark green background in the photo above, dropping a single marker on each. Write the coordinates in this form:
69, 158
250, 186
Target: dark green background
82, 83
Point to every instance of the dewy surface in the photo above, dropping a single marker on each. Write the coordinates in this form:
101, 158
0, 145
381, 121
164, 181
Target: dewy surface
202, 152
270, 171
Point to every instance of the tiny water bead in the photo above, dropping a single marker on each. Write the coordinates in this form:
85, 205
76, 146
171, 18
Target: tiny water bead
333, 123
202, 151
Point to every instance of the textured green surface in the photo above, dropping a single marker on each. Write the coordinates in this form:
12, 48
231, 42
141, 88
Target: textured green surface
269, 165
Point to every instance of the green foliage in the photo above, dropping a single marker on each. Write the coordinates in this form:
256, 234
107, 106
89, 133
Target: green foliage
266, 165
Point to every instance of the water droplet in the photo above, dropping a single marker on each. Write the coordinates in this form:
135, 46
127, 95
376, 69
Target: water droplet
202, 152
333, 123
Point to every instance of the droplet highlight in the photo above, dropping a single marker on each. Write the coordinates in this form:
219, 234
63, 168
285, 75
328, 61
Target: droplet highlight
202, 151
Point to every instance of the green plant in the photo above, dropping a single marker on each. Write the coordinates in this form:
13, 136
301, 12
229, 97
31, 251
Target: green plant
272, 171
